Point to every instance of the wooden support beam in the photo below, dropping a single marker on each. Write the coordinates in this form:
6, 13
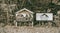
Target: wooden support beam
16, 24
32, 23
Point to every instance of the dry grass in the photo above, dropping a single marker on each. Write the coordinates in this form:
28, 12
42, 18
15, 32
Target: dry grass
24, 29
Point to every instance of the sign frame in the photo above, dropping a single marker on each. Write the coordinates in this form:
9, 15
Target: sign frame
44, 20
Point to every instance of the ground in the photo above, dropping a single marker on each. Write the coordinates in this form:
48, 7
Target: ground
27, 29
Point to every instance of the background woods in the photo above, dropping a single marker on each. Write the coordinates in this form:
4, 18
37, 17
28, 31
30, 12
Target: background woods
9, 7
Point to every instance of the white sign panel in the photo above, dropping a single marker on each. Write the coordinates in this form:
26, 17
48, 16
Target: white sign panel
44, 16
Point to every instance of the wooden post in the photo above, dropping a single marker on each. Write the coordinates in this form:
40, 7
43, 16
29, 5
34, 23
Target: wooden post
7, 17
32, 23
16, 24
39, 23
29, 23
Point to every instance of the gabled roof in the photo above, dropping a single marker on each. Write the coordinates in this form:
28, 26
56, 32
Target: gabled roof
23, 10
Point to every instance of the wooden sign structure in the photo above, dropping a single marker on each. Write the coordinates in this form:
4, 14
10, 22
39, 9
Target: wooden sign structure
24, 15
44, 16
